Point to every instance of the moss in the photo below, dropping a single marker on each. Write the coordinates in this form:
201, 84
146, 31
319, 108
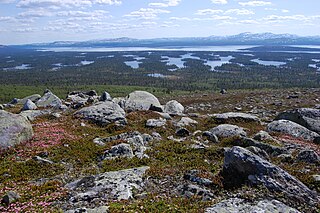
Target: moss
160, 205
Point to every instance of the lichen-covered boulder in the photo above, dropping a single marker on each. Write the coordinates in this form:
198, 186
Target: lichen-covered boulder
241, 165
49, 100
141, 100
14, 129
293, 129
307, 117
227, 130
174, 108
103, 113
29, 105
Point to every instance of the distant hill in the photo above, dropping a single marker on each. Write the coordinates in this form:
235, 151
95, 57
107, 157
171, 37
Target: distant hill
240, 39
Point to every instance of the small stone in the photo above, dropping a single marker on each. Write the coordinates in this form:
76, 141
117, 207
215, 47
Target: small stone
42, 160
210, 136
183, 132
10, 197
155, 122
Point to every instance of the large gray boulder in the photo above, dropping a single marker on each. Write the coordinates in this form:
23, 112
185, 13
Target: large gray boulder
14, 129
33, 98
31, 115
240, 166
293, 129
116, 185
307, 117
49, 100
141, 100
29, 105
103, 113
237, 205
227, 130
174, 108
235, 116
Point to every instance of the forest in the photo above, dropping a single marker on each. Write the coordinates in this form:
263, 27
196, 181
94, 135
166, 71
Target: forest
67, 71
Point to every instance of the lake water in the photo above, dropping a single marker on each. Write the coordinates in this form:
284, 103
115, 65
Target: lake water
179, 62
232, 48
85, 62
269, 63
224, 60
20, 67
157, 75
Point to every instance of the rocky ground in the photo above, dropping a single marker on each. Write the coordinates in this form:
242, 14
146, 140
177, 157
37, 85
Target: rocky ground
237, 151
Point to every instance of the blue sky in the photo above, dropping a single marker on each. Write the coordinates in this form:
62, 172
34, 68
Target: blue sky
30, 21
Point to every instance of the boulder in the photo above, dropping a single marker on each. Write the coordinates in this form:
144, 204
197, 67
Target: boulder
140, 100
78, 99
105, 97
264, 136
237, 205
182, 132
235, 116
210, 136
173, 108
29, 105
31, 115
257, 151
14, 129
191, 190
121, 150
185, 121
135, 140
270, 149
49, 100
10, 197
156, 122
248, 167
227, 130
308, 156
103, 113
115, 185
307, 117
293, 129
34, 98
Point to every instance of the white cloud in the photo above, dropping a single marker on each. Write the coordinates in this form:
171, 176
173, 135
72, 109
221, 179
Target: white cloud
285, 11
35, 13
249, 21
219, 1
6, 18
166, 3
277, 18
217, 17
255, 3
208, 12
64, 3
147, 13
239, 12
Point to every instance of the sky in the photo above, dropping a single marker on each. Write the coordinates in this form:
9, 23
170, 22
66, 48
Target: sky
33, 21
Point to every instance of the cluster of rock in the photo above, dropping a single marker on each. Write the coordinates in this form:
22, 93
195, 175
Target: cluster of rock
248, 162
135, 145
